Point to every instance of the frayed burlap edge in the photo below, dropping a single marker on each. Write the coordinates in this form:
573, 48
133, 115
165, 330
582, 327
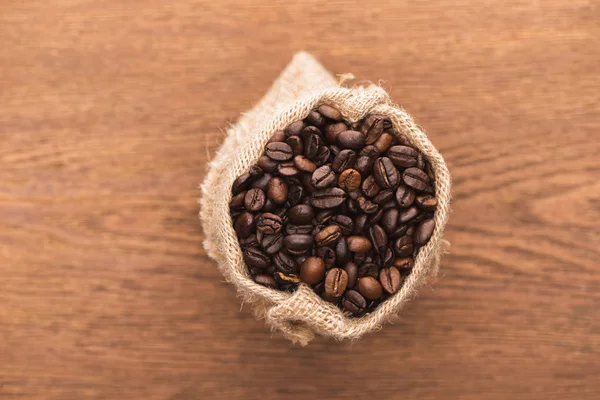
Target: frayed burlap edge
303, 86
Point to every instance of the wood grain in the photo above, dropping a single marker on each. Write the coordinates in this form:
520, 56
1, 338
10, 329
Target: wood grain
110, 111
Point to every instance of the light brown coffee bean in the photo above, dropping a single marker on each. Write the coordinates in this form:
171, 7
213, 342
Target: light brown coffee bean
336, 282
349, 180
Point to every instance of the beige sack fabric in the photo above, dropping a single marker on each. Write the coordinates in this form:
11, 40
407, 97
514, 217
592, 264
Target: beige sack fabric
301, 87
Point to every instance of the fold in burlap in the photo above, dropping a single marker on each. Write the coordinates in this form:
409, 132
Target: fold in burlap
301, 87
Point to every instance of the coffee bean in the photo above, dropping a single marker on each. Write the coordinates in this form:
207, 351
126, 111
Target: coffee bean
265, 280
241, 183
405, 196
424, 231
244, 224
267, 164
254, 200
421, 162
314, 118
323, 216
279, 151
288, 169
364, 165
269, 206
360, 223
271, 244
298, 229
268, 223
358, 244
255, 171
368, 268
369, 287
277, 190
354, 302
255, 258
301, 214
312, 270
342, 253
312, 142
284, 263
349, 180
390, 279
278, 136
359, 258
294, 128
332, 131
404, 263
351, 139
374, 218
352, 271
345, 223
369, 187
387, 259
408, 215
330, 112
415, 178
372, 128
389, 221
384, 196
378, 238
306, 183
344, 160
384, 142
298, 244
385, 174
295, 142
323, 177
328, 198
295, 194
403, 247
286, 281
403, 156
322, 156
250, 241
367, 206
327, 255
425, 202
400, 230
336, 282
327, 235
237, 201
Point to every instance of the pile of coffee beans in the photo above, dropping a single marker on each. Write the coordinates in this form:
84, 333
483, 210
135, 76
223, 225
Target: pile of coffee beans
342, 207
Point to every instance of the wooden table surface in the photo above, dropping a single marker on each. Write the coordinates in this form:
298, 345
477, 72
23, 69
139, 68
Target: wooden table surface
110, 111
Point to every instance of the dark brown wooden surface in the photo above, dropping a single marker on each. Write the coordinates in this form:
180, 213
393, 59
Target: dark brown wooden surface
109, 111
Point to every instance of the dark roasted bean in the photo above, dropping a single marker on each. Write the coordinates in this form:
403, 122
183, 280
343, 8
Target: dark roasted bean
390, 279
415, 178
354, 302
424, 231
269, 223
277, 190
426, 202
327, 235
328, 255
244, 224
403, 247
295, 142
279, 151
284, 263
294, 128
266, 280
369, 187
271, 244
254, 200
255, 258
378, 238
351, 139
267, 164
342, 253
372, 127
328, 198
241, 183
330, 112
408, 215
402, 156
352, 271
405, 196
345, 223
323, 177
343, 160
404, 263
385, 173
314, 118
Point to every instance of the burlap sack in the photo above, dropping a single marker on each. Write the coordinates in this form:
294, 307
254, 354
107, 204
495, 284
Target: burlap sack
301, 87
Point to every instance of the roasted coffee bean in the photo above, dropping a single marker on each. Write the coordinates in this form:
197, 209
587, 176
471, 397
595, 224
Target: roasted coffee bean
405, 196
323, 177
306, 183
389, 221
336, 282
279, 151
400, 230
244, 224
295, 195
387, 259
250, 241
369, 287
286, 280
284, 263
241, 183
330, 112
277, 190
271, 244
294, 128
354, 302
288, 169
262, 183
385, 173
359, 224
342, 253
269, 206
384, 142
364, 165
267, 164
345, 223
389, 204
415, 178
255, 258
298, 244
278, 136
322, 156
408, 215
333, 130
327, 235
255, 171
359, 258
369, 187
327, 255
312, 142
351, 207
334, 150
372, 127
367, 206
374, 218
254, 200
269, 223
265, 280
295, 142
403, 156
328, 198
358, 244
424, 231
403, 247
421, 162
312, 270
425, 202
368, 268
352, 271
355, 194
351, 139
301, 214
384, 196
349, 180
298, 229
237, 201
378, 238
345, 159
404, 263
314, 118
390, 279
323, 217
